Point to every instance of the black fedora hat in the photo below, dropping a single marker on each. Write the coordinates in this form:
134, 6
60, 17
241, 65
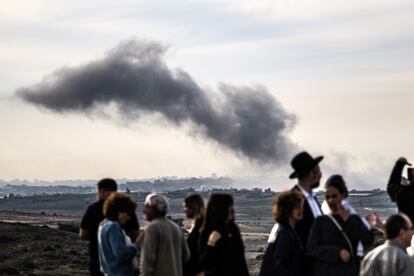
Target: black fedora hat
303, 163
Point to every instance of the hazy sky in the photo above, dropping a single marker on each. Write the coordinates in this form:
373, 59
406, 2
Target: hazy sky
345, 68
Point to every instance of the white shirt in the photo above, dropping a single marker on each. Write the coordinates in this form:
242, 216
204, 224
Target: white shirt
316, 211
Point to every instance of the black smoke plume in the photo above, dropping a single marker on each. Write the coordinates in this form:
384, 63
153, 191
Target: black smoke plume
135, 78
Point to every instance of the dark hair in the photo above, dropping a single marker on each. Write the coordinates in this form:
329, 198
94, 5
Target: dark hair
107, 184
116, 203
337, 182
285, 202
196, 203
393, 225
217, 212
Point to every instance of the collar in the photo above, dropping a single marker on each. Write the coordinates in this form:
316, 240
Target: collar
396, 243
304, 192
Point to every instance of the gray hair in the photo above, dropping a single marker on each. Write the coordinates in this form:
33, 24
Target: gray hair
158, 202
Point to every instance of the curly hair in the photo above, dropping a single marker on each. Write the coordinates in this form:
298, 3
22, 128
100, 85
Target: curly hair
116, 203
284, 203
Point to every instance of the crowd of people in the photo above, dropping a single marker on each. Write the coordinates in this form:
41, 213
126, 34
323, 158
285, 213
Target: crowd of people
308, 238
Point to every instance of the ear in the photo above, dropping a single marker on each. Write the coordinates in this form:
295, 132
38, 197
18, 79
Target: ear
401, 233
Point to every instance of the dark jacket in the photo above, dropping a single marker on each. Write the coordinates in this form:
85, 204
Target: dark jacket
403, 195
226, 258
193, 266
304, 226
326, 241
285, 256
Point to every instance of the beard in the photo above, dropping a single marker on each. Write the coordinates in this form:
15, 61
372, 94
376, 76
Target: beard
315, 185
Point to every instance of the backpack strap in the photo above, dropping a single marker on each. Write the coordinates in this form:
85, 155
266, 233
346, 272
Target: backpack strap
343, 234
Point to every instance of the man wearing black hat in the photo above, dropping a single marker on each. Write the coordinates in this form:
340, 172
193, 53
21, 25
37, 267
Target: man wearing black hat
308, 173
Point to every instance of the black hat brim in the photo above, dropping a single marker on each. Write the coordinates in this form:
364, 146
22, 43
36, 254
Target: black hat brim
317, 160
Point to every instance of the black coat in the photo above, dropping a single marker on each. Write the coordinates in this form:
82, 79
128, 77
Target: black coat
304, 226
402, 195
326, 241
226, 258
193, 266
285, 256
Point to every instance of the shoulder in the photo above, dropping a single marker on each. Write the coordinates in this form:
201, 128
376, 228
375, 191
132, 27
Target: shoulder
174, 226
153, 226
234, 229
284, 232
355, 219
322, 219
160, 224
110, 226
94, 207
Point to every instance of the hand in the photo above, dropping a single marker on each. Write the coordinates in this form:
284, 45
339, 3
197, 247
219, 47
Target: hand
214, 237
200, 274
344, 255
374, 220
403, 160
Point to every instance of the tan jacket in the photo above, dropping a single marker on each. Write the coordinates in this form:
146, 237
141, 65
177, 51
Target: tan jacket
164, 249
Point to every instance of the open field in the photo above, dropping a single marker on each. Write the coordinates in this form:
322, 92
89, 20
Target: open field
41, 244
35, 242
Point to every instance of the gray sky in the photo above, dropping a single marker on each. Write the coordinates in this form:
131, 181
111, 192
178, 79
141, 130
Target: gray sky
345, 68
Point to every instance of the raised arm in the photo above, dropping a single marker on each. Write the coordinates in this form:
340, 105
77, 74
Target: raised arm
394, 183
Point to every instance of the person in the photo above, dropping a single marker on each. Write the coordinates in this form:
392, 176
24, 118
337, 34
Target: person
285, 256
221, 243
348, 207
116, 251
94, 215
308, 172
391, 258
194, 210
333, 238
164, 249
401, 190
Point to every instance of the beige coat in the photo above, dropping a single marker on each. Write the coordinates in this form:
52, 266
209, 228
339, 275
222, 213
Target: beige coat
164, 249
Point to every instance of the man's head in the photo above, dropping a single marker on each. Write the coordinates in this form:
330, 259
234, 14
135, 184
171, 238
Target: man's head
155, 206
105, 187
307, 169
399, 227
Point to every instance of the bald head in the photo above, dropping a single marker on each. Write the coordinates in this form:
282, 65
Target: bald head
399, 227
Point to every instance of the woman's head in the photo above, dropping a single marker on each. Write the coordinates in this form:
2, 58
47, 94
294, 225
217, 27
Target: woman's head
119, 207
335, 191
219, 211
288, 206
194, 206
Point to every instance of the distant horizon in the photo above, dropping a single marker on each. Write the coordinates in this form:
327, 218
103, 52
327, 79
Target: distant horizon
124, 181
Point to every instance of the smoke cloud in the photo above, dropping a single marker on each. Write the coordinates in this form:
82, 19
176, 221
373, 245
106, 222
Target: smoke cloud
135, 78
